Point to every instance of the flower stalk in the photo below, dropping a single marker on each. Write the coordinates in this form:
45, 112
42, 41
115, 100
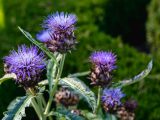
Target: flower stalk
37, 109
98, 99
52, 93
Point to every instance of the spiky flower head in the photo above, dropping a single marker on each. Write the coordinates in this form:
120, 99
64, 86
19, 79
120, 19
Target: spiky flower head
58, 33
103, 64
111, 98
104, 59
27, 63
66, 97
60, 22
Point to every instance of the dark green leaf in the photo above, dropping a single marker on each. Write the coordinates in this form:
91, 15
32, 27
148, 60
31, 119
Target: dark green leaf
7, 77
137, 78
40, 45
43, 83
79, 74
77, 85
63, 112
90, 116
16, 109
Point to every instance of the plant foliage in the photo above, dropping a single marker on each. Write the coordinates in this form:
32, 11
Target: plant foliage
16, 109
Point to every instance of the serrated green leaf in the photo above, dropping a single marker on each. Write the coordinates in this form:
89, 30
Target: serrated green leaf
40, 45
16, 109
43, 83
59, 116
90, 116
68, 114
7, 77
137, 78
77, 85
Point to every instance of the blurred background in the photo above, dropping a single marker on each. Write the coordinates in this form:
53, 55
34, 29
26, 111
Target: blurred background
130, 28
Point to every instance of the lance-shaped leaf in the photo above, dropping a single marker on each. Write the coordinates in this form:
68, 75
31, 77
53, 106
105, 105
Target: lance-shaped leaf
82, 89
16, 109
40, 45
137, 78
79, 74
78, 86
7, 77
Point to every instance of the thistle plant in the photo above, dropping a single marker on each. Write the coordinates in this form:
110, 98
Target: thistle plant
27, 65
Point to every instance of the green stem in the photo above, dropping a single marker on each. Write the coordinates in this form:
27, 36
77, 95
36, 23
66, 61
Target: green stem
37, 109
44, 103
53, 91
43, 100
98, 99
39, 101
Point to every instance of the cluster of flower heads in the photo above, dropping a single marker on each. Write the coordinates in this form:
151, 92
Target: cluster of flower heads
103, 65
27, 63
58, 32
58, 35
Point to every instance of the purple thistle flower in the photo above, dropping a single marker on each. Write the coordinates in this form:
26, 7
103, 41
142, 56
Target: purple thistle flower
59, 32
60, 22
107, 59
27, 64
103, 64
111, 98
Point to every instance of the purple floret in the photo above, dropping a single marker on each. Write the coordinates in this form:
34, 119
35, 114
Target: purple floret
112, 97
44, 36
27, 64
58, 33
107, 59
60, 22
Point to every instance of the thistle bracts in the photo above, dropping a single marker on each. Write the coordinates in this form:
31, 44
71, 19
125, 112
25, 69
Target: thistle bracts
66, 97
111, 99
27, 64
58, 33
103, 63
126, 111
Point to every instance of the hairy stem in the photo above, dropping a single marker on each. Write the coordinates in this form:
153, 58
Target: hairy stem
53, 91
